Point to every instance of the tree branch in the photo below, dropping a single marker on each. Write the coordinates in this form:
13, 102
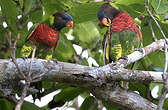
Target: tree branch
24, 93
137, 55
96, 80
165, 75
130, 100
83, 76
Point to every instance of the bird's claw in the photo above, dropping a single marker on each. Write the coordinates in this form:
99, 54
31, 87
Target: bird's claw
55, 60
24, 58
139, 49
123, 57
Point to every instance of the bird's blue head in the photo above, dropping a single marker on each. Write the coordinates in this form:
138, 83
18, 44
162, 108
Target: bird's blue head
61, 20
100, 15
105, 14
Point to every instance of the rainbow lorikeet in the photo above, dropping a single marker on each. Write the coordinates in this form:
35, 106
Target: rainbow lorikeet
122, 36
45, 38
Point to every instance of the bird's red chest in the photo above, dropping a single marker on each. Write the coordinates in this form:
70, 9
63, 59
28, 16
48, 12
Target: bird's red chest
44, 35
124, 21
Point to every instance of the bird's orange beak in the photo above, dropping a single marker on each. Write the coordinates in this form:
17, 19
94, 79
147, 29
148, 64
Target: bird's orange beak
106, 21
69, 24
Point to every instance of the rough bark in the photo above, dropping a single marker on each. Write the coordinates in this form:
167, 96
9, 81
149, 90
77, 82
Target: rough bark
95, 80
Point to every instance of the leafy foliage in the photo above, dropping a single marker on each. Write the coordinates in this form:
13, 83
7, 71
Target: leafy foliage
6, 105
86, 34
89, 103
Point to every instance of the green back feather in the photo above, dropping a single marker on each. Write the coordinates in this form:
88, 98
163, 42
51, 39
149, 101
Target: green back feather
121, 44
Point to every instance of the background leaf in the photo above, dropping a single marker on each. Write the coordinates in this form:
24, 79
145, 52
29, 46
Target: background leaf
68, 94
29, 106
160, 6
6, 105
89, 104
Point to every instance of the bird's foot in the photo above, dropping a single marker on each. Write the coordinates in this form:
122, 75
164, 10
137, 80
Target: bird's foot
54, 60
123, 57
139, 49
24, 58
124, 84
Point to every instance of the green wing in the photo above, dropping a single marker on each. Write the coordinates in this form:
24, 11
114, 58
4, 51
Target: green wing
121, 44
27, 48
44, 52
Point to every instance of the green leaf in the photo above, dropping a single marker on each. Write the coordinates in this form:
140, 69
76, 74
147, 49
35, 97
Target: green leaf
36, 16
64, 50
85, 62
134, 7
6, 105
62, 86
144, 64
89, 104
134, 10
85, 94
29, 106
160, 6
109, 106
147, 39
47, 85
85, 12
10, 11
129, 2
68, 94
52, 6
165, 106
142, 89
99, 57
152, 85
28, 4
21, 3
87, 33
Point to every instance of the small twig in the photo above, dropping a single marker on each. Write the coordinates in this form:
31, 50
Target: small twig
163, 96
166, 63
151, 15
16, 39
24, 93
153, 33
12, 51
31, 62
100, 107
76, 103
165, 76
